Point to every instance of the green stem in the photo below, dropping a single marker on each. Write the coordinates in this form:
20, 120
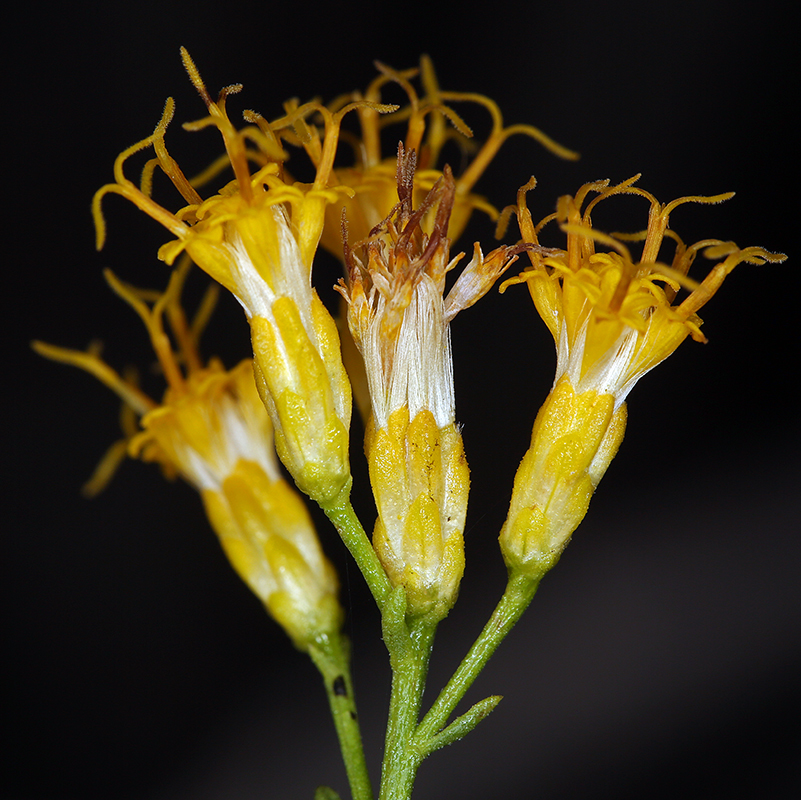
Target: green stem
332, 657
409, 670
519, 593
344, 519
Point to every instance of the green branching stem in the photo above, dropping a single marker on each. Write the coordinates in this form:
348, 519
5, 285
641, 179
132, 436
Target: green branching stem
326, 793
331, 656
519, 593
409, 643
350, 530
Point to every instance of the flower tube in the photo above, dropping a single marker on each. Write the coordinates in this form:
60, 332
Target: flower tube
430, 123
613, 317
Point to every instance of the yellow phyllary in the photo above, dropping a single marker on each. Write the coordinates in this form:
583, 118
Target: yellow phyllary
574, 439
613, 319
420, 481
400, 322
212, 429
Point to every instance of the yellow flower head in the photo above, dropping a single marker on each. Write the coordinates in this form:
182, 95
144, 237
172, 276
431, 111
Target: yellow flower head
212, 429
257, 237
372, 178
401, 325
613, 316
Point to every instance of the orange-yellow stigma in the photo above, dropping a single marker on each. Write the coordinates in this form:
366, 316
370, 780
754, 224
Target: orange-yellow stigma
259, 143
612, 315
372, 177
182, 367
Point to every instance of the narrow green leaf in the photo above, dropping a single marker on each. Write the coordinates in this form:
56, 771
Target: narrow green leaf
326, 793
461, 726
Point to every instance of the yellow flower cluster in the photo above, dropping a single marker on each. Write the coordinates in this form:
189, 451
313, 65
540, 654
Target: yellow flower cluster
613, 316
258, 236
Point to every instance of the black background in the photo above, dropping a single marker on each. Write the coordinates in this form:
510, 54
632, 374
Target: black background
661, 658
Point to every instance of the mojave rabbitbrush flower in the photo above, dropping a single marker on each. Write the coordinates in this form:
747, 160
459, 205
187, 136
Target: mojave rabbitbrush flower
613, 319
400, 322
257, 237
616, 305
212, 429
